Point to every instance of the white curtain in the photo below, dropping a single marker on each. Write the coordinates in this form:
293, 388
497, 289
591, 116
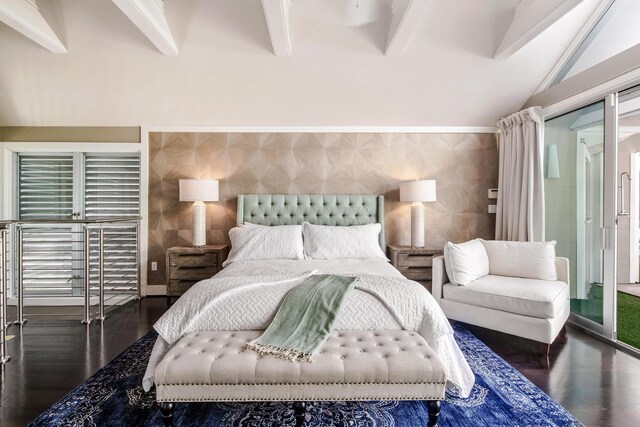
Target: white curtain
520, 210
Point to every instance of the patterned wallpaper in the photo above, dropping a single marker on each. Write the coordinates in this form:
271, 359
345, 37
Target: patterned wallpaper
464, 165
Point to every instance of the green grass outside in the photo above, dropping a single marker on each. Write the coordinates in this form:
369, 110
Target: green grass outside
628, 313
629, 319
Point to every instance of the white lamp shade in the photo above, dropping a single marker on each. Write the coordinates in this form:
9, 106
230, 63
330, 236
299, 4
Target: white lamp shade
421, 190
199, 190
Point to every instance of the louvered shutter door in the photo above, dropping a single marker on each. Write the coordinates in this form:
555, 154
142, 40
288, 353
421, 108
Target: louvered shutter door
46, 187
46, 192
112, 189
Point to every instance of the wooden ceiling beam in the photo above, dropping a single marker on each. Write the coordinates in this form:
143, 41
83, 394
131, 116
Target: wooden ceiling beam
148, 16
24, 17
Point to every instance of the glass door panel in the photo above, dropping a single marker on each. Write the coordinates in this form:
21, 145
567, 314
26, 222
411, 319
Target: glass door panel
628, 176
574, 200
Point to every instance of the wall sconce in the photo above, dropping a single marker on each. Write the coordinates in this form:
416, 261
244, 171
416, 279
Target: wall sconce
553, 169
418, 192
199, 191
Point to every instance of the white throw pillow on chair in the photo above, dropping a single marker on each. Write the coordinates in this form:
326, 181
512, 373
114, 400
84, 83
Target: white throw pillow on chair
466, 262
529, 260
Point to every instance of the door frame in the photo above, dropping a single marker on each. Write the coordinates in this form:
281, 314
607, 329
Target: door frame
585, 218
8, 178
634, 217
610, 216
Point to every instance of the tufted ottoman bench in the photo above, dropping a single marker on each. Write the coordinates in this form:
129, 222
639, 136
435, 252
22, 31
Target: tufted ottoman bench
214, 366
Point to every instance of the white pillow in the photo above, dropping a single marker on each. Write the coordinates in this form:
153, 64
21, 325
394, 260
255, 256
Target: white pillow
336, 242
530, 260
265, 242
465, 262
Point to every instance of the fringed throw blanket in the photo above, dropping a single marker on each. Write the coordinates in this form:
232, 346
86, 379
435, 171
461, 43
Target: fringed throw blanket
305, 318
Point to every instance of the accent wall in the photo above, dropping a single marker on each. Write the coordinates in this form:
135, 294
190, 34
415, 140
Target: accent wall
465, 166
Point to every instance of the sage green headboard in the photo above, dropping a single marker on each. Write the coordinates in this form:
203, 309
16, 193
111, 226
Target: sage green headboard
322, 209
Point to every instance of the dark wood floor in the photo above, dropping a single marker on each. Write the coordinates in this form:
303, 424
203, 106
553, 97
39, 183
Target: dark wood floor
599, 384
50, 357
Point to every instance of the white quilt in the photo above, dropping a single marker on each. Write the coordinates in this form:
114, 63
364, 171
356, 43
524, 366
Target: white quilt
247, 299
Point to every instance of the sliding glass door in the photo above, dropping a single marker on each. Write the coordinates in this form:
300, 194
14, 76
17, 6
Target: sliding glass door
580, 159
628, 269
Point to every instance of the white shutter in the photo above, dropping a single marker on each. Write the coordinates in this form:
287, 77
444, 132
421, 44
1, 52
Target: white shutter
112, 185
45, 184
53, 254
112, 189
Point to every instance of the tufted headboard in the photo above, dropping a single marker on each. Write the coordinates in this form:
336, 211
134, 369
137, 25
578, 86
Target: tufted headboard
322, 209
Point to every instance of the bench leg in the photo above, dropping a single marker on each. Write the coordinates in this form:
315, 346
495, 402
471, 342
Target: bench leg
299, 408
166, 409
433, 408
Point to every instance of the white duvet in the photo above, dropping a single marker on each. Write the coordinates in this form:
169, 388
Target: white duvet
246, 296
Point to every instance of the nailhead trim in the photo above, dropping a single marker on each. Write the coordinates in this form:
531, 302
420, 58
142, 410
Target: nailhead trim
293, 399
305, 384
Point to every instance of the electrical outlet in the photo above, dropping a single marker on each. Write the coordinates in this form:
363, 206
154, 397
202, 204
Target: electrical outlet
493, 209
154, 266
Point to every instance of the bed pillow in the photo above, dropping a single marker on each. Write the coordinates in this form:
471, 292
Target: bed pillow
530, 260
337, 242
465, 262
265, 242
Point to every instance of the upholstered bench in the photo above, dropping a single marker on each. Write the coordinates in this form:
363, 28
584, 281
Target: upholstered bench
214, 366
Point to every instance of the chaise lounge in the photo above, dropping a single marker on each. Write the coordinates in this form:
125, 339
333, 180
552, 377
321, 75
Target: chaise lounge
518, 288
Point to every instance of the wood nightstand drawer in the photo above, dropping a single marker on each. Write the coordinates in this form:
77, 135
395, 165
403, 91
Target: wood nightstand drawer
416, 273
414, 260
193, 260
192, 273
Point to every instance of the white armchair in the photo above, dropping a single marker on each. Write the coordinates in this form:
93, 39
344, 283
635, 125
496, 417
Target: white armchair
530, 308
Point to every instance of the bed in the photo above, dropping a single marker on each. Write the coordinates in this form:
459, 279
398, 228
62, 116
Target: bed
245, 295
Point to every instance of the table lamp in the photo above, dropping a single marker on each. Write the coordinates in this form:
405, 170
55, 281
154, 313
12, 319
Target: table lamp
199, 191
418, 192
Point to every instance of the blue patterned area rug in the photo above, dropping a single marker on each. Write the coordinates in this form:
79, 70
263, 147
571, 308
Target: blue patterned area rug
501, 397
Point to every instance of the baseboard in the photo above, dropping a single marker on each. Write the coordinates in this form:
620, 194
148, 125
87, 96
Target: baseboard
152, 290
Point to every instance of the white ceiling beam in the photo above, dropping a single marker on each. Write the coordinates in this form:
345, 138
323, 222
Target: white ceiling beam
405, 15
530, 19
148, 16
276, 13
24, 17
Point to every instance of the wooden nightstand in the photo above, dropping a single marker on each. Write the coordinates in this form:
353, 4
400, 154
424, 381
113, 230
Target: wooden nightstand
188, 265
414, 263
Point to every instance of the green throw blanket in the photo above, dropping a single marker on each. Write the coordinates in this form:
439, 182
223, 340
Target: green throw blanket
305, 318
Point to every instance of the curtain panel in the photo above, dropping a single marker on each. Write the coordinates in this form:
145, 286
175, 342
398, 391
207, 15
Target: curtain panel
520, 210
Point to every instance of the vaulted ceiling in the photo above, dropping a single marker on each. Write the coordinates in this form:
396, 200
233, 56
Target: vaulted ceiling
278, 62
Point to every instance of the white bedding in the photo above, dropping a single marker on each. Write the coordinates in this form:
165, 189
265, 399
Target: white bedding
246, 295
333, 266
